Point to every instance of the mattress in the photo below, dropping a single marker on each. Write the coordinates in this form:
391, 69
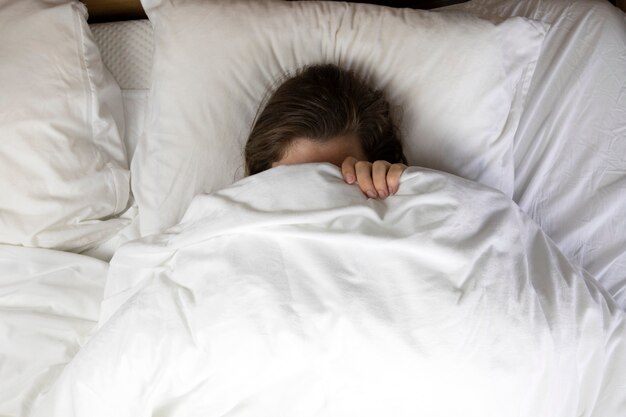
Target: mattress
570, 148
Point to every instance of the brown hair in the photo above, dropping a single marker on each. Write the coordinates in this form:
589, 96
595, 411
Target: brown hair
319, 103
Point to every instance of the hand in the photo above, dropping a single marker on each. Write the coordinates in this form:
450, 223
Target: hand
377, 180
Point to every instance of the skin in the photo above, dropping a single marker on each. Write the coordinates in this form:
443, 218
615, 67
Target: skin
378, 179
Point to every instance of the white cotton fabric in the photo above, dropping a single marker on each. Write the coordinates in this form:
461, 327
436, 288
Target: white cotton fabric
570, 148
569, 165
215, 62
291, 293
63, 166
49, 305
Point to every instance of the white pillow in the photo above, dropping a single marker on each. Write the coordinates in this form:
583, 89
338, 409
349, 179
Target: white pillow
63, 167
214, 62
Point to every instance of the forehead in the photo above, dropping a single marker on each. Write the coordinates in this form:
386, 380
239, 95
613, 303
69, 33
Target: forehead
335, 150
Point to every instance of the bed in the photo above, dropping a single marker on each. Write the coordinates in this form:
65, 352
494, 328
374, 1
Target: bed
579, 229
569, 177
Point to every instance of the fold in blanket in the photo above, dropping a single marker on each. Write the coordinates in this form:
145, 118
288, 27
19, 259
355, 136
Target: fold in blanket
292, 294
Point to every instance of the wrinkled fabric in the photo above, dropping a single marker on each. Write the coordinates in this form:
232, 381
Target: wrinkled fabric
63, 168
49, 305
291, 293
570, 147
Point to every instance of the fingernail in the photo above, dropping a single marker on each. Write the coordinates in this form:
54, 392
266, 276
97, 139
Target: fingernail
392, 190
349, 179
382, 193
371, 194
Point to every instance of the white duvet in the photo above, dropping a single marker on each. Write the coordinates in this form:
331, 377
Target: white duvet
49, 305
291, 294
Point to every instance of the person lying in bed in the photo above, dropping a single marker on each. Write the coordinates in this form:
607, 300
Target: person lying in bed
327, 114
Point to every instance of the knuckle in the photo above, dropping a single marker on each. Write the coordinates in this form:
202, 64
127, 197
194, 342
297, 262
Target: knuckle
396, 170
380, 179
381, 164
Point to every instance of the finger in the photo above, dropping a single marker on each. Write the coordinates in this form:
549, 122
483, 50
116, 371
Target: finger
348, 170
364, 178
379, 176
393, 177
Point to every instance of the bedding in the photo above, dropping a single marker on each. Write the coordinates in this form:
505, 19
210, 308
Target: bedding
570, 147
290, 293
127, 50
49, 300
568, 153
63, 169
49, 305
447, 74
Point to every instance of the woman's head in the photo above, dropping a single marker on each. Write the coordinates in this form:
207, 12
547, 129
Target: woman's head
320, 114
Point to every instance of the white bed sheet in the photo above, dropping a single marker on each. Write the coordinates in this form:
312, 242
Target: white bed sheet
49, 305
570, 149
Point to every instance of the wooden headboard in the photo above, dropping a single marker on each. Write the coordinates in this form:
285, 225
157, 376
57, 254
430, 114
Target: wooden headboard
114, 10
